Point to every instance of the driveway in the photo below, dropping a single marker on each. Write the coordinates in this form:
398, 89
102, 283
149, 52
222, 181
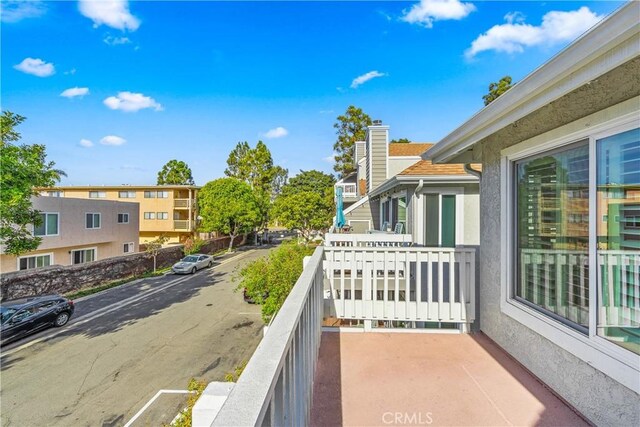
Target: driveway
126, 344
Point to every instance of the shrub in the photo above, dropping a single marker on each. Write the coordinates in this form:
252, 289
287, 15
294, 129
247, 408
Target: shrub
269, 280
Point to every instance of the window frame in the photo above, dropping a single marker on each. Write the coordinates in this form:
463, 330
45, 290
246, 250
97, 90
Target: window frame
100, 194
92, 248
123, 216
616, 362
93, 220
46, 226
162, 216
18, 259
152, 216
128, 194
128, 248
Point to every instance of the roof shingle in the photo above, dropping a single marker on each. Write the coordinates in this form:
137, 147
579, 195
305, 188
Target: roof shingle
397, 149
425, 167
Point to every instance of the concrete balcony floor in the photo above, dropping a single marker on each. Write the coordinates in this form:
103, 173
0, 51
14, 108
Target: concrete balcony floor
373, 379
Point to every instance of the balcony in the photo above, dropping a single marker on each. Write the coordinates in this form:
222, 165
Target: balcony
182, 225
349, 191
184, 203
302, 374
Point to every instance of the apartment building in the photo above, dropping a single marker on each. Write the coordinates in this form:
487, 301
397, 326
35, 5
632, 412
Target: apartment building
169, 210
75, 231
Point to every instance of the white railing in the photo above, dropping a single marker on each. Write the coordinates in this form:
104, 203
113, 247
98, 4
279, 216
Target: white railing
558, 280
348, 190
402, 284
619, 289
277, 384
367, 240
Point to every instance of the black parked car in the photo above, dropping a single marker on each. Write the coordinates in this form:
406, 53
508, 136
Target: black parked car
24, 316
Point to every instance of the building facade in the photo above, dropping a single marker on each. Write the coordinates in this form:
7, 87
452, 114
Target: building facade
165, 210
75, 231
560, 219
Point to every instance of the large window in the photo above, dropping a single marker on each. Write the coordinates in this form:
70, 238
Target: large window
557, 193
162, 215
127, 194
618, 238
48, 225
92, 220
123, 218
34, 261
553, 233
440, 220
97, 194
83, 255
149, 215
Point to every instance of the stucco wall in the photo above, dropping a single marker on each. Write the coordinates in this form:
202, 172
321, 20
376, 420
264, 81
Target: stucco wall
597, 396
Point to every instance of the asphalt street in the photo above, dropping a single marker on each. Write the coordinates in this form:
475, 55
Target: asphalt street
125, 344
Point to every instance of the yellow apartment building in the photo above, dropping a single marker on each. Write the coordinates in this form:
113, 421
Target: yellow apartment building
75, 231
169, 210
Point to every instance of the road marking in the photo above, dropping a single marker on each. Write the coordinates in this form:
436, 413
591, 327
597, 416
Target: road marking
108, 309
150, 402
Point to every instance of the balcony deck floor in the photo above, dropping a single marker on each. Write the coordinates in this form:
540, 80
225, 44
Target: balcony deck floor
371, 379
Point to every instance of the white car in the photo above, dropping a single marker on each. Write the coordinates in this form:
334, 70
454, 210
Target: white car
192, 263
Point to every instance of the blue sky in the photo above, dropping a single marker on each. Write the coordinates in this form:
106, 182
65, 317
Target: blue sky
116, 89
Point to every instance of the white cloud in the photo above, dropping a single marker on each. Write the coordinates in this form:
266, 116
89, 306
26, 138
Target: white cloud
86, 143
515, 35
278, 132
112, 13
71, 71
75, 91
14, 11
365, 78
329, 159
112, 140
114, 41
36, 66
428, 11
129, 101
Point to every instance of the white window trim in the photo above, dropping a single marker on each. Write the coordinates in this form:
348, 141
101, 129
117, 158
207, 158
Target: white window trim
441, 191
31, 256
85, 220
45, 219
95, 254
614, 361
129, 245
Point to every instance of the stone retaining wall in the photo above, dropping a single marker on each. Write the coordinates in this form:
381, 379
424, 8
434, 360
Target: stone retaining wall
64, 279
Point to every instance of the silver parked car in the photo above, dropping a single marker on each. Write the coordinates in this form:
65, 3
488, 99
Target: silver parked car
192, 263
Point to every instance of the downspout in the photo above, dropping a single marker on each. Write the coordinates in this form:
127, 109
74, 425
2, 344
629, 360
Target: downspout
468, 169
415, 230
419, 187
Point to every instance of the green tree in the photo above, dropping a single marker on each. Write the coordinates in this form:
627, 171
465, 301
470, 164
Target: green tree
279, 181
313, 180
229, 206
399, 141
497, 89
306, 211
255, 167
175, 172
22, 169
351, 127
153, 248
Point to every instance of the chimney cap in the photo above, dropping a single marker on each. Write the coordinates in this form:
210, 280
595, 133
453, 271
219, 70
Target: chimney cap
377, 122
